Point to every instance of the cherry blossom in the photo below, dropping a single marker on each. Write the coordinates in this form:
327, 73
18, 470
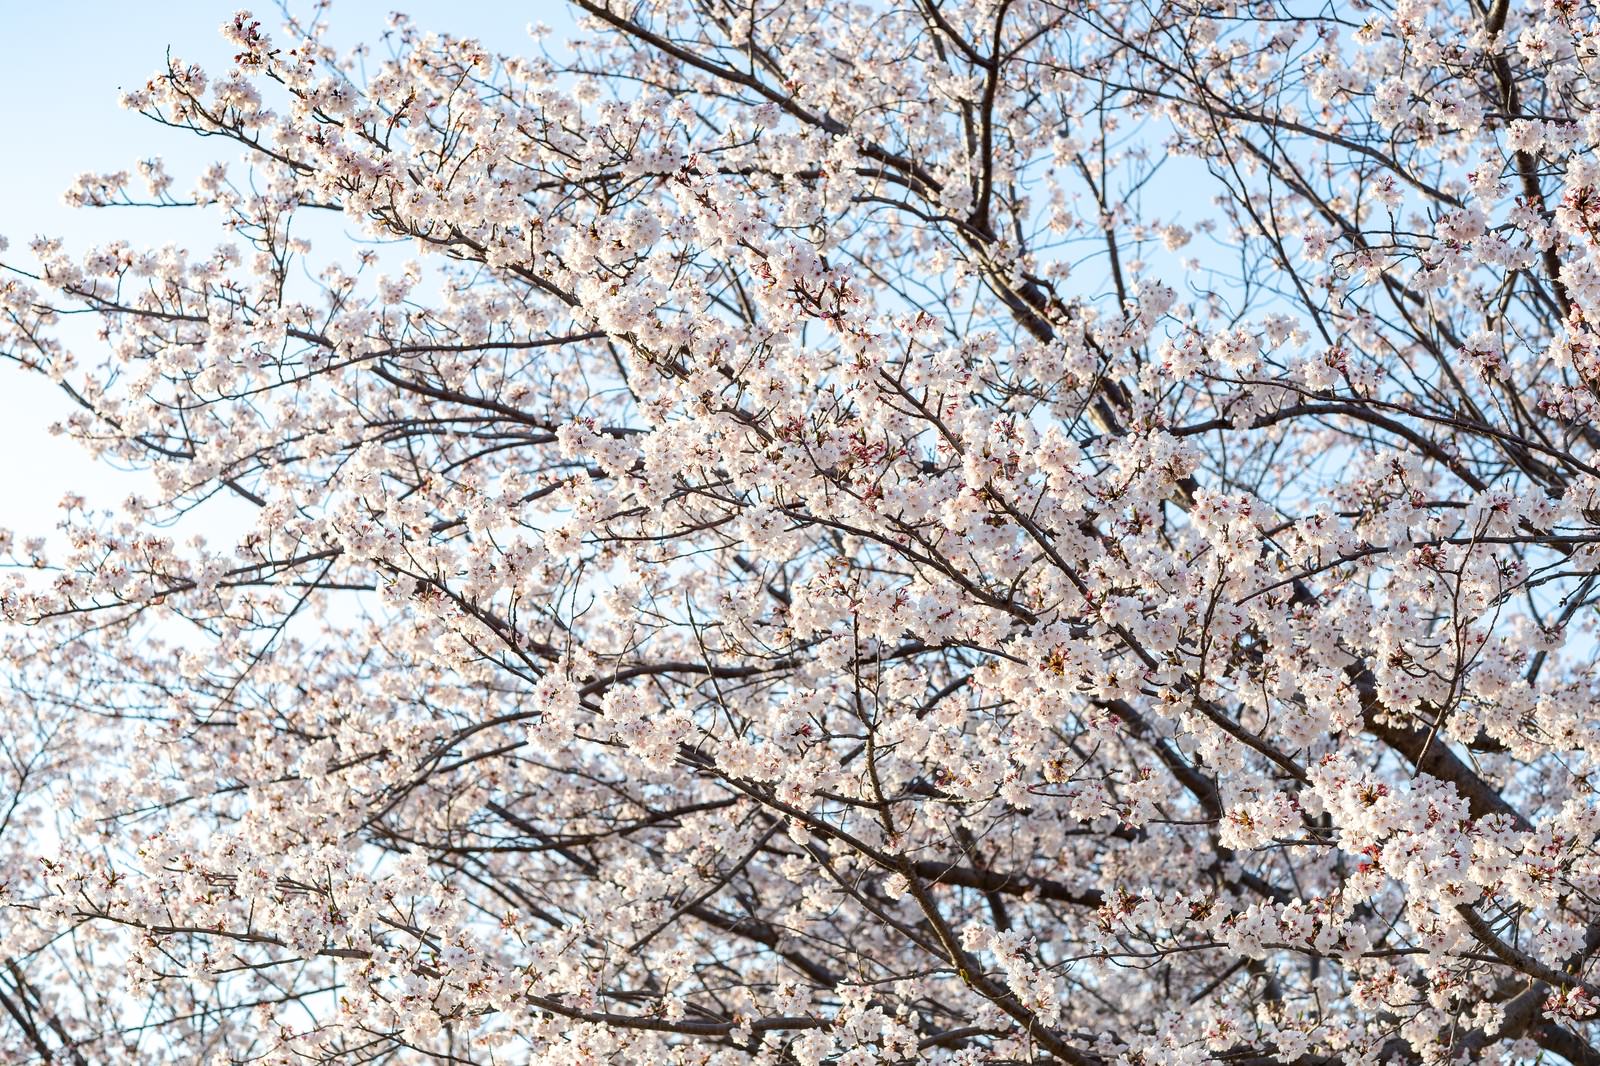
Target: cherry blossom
757, 549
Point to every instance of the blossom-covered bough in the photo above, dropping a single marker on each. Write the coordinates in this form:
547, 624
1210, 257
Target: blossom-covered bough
764, 547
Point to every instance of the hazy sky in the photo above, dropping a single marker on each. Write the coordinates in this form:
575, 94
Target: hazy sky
61, 67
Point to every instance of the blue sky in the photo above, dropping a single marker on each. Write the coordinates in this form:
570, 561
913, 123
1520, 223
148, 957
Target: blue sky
62, 66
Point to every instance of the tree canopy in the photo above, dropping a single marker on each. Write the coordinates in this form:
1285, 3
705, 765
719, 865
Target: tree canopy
923, 531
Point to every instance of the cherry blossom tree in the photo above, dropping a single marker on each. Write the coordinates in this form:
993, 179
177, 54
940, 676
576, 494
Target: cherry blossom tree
922, 531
